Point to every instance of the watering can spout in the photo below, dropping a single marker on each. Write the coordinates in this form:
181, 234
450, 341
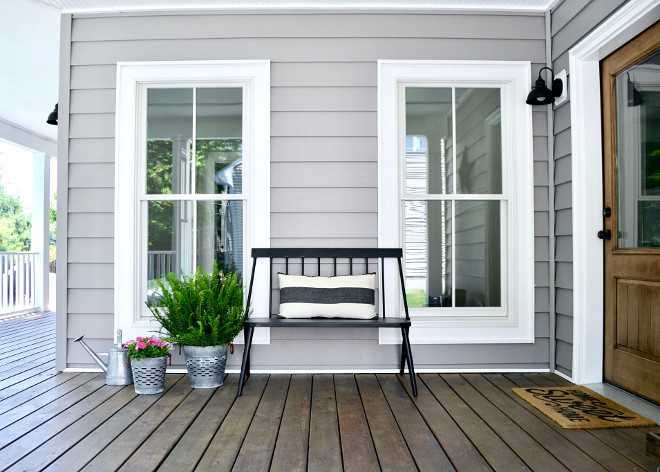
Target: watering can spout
94, 356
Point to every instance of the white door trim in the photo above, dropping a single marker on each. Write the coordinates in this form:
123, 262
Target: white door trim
586, 156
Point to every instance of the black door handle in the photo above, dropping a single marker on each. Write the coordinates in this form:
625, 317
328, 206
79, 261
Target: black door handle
605, 234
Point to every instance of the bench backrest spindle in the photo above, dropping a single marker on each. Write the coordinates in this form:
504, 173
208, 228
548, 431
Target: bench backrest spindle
326, 256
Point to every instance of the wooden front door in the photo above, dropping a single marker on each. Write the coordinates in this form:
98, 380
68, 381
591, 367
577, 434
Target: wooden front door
631, 170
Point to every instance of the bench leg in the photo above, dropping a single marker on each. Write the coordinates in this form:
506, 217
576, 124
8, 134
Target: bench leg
408, 351
245, 365
403, 357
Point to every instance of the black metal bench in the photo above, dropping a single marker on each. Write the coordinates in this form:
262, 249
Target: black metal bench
283, 260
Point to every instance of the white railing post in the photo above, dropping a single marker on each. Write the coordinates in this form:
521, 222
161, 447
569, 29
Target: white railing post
40, 226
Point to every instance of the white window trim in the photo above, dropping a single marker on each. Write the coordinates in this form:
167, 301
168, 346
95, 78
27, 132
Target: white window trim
517, 325
255, 77
587, 164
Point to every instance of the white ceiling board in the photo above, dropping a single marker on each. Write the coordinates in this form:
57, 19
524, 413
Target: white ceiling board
92, 6
29, 64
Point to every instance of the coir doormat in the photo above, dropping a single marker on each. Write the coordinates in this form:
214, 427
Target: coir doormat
579, 407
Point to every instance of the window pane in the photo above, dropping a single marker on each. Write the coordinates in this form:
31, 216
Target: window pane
220, 234
219, 140
428, 253
169, 134
429, 138
478, 265
478, 141
169, 240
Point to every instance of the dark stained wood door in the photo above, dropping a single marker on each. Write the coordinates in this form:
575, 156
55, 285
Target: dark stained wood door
631, 170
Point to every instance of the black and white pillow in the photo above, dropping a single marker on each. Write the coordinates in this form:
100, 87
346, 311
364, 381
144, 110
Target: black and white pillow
342, 296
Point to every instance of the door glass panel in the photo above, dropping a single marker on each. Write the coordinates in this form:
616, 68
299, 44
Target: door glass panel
219, 140
429, 140
638, 154
169, 134
427, 226
478, 141
478, 266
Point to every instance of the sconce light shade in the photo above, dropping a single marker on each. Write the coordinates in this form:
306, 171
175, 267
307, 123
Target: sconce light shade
52, 118
541, 95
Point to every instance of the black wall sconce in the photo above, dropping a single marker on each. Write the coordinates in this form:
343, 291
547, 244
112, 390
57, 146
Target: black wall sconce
541, 95
52, 118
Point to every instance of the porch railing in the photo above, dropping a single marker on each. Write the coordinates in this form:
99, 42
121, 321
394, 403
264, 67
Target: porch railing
159, 263
18, 284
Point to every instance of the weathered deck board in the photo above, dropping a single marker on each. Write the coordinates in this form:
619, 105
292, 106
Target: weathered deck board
293, 439
125, 445
324, 442
323, 422
489, 444
88, 448
358, 449
391, 448
426, 451
598, 451
224, 447
259, 444
190, 448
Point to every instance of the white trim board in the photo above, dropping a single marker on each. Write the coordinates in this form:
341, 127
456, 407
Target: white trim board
586, 160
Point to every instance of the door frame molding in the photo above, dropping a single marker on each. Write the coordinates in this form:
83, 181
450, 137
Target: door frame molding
586, 161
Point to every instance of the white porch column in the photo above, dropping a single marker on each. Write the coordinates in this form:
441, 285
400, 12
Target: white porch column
40, 226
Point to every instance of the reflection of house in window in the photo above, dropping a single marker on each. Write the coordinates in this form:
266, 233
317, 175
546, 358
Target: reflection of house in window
453, 196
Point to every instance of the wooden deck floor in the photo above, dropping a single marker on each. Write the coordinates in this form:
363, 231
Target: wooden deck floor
469, 422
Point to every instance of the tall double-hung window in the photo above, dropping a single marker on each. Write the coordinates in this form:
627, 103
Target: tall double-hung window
192, 175
456, 193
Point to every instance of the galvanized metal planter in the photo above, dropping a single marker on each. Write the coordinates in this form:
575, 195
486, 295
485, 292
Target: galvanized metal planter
149, 374
206, 365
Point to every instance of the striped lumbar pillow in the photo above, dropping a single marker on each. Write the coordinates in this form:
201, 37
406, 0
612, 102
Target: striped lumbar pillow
343, 296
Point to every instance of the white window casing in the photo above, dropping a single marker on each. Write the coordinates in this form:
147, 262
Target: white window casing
513, 321
133, 79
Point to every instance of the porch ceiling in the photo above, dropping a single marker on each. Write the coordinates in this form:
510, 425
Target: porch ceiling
89, 6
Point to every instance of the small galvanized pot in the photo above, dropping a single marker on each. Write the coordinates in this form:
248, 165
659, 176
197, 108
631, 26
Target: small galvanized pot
149, 374
206, 365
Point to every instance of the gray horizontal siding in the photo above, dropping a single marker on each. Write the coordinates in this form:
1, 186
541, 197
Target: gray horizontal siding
92, 200
324, 151
307, 50
571, 21
91, 250
312, 26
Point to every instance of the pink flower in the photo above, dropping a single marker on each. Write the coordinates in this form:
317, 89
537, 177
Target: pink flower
140, 345
153, 341
139, 338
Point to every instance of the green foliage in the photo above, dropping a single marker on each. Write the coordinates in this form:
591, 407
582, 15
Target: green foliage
200, 310
15, 226
52, 230
147, 346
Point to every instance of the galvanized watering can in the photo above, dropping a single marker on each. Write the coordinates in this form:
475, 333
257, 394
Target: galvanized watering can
117, 370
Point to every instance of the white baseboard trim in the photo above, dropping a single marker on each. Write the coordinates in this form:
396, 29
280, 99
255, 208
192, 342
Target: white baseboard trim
182, 370
387, 371
564, 376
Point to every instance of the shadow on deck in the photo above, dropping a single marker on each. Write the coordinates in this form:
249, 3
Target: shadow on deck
321, 422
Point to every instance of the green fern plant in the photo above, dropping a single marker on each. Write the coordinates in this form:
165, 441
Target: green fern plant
202, 309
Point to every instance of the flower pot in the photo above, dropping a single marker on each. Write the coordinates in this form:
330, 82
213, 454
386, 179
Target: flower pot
149, 374
206, 365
